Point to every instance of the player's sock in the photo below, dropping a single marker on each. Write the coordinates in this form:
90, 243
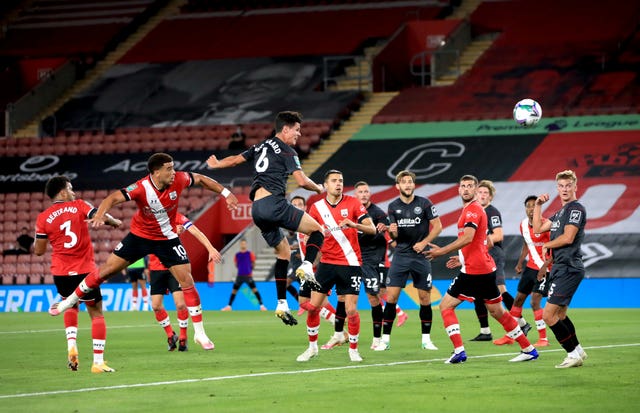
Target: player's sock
507, 299
354, 330
513, 331
452, 327
327, 314
134, 299
426, 316
232, 297
314, 243
99, 335
313, 324
71, 327
341, 315
541, 326
399, 310
483, 316
564, 336
388, 317
376, 317
516, 312
292, 290
192, 300
87, 285
281, 278
145, 297
165, 322
567, 322
258, 297
183, 323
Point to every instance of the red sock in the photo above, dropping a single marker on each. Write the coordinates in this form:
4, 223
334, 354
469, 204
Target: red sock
90, 282
313, 323
542, 332
192, 300
516, 311
329, 307
165, 322
307, 306
98, 332
183, 321
452, 327
71, 317
509, 324
354, 329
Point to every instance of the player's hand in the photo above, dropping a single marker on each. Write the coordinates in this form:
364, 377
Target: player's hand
453, 262
213, 162
542, 199
381, 227
232, 202
215, 256
419, 246
393, 229
96, 222
347, 223
518, 268
433, 252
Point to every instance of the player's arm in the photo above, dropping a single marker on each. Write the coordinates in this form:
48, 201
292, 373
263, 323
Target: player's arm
435, 230
214, 255
523, 255
567, 238
496, 236
215, 186
100, 217
40, 246
540, 225
365, 225
230, 161
305, 182
463, 240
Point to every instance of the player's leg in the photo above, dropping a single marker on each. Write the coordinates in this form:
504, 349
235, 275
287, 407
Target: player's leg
181, 310
159, 281
234, 290
448, 305
338, 338
283, 254
134, 292
142, 282
396, 280
252, 284
540, 290
353, 323
313, 229
98, 333
313, 325
421, 274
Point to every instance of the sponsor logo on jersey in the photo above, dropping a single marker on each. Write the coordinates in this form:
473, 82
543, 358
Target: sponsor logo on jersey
132, 187
575, 216
495, 221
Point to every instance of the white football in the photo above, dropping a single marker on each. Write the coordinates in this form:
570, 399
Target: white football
527, 112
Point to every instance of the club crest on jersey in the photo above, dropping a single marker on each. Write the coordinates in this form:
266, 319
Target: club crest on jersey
417, 210
344, 213
173, 195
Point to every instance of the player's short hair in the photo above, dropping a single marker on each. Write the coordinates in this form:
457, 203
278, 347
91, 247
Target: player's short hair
360, 183
485, 183
157, 160
304, 200
287, 118
331, 172
530, 198
56, 184
469, 178
567, 174
404, 173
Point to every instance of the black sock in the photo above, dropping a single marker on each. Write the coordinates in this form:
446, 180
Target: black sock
572, 329
376, 317
564, 336
231, 298
341, 315
482, 313
387, 318
314, 243
507, 299
426, 316
258, 297
292, 290
281, 278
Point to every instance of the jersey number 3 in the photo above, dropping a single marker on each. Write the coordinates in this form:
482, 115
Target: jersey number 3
66, 227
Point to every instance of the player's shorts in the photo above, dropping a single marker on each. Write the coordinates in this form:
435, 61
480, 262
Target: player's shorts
417, 266
346, 278
529, 283
242, 279
135, 274
383, 271
563, 283
66, 285
498, 255
475, 287
272, 213
170, 252
162, 281
371, 277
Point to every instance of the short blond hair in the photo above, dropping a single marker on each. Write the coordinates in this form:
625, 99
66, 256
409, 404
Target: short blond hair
485, 183
404, 173
567, 174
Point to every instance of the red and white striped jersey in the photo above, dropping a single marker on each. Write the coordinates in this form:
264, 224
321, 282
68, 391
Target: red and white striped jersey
64, 225
534, 244
340, 245
154, 262
474, 257
156, 215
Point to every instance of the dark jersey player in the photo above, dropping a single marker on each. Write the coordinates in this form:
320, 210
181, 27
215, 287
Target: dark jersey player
274, 159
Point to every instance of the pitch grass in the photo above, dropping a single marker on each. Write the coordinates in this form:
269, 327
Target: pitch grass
253, 369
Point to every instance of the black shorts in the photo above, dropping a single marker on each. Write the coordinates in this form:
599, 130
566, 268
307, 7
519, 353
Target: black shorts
272, 213
529, 283
66, 285
135, 274
383, 271
498, 256
417, 266
162, 282
563, 283
170, 252
242, 279
475, 287
371, 277
346, 278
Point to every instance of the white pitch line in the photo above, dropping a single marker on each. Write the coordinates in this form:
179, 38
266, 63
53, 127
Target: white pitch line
275, 373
